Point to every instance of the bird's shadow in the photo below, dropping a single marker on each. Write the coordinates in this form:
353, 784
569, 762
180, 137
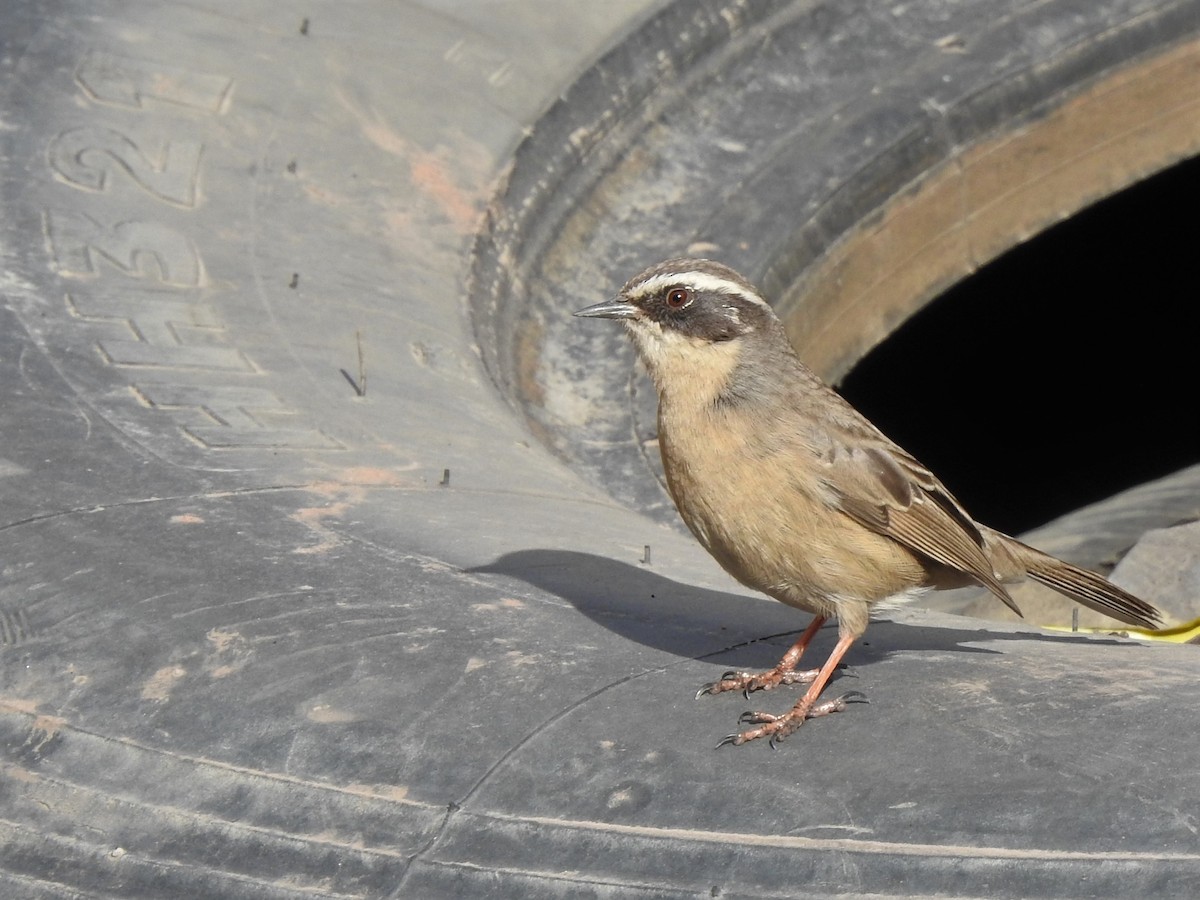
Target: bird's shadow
738, 630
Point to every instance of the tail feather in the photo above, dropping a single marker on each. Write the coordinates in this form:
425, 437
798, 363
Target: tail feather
1092, 590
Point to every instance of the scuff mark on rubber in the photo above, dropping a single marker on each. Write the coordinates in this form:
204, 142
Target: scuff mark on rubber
455, 806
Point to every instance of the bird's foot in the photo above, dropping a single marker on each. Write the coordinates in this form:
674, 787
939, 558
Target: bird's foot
777, 728
747, 683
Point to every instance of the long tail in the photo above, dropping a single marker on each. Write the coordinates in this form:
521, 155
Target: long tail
1092, 590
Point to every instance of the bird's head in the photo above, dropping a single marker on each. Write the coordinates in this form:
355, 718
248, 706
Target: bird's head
693, 321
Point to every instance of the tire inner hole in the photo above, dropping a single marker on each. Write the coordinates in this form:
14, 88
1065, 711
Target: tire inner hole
1064, 371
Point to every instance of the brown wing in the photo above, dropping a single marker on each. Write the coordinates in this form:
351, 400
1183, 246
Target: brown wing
883, 488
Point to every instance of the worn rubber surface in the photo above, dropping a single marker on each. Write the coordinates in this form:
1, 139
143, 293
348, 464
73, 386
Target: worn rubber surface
306, 584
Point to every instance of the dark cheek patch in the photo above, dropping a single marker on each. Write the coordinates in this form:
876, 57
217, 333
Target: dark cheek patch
700, 321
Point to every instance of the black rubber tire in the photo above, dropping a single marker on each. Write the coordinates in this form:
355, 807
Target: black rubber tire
298, 598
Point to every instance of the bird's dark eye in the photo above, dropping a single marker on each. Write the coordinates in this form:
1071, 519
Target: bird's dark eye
678, 297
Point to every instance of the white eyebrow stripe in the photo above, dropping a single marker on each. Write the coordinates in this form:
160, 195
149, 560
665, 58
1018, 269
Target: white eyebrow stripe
701, 281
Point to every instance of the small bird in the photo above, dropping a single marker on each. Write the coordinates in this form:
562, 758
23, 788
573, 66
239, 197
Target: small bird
795, 493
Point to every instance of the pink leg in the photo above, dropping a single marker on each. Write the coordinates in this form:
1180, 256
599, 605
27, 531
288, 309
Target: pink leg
778, 727
783, 673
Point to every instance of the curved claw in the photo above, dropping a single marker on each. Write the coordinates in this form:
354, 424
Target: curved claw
751, 717
710, 688
713, 687
854, 697
731, 739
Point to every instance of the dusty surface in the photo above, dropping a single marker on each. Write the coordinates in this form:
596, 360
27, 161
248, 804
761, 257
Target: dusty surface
293, 602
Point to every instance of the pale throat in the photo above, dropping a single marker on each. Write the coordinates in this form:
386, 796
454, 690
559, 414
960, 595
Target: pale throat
687, 371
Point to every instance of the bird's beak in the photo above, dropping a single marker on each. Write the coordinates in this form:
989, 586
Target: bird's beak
610, 309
